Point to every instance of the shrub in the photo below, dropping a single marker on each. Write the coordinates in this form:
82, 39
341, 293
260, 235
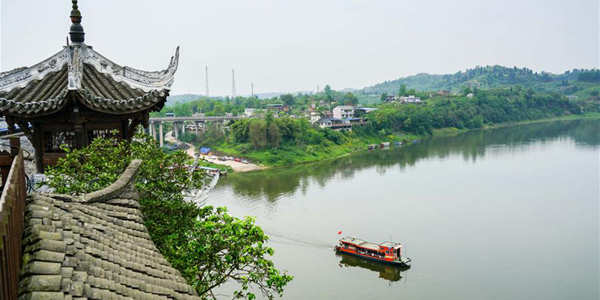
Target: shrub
201, 242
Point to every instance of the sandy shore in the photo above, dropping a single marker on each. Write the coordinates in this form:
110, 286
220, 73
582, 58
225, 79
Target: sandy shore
236, 166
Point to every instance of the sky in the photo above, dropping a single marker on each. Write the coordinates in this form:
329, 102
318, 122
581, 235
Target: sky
299, 45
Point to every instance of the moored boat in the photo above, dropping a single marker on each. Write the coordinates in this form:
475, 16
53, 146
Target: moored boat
386, 252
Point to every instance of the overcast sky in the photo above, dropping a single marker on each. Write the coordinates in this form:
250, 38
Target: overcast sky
296, 45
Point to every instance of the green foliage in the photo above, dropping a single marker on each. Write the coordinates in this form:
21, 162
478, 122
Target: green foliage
287, 99
349, 99
212, 134
257, 132
490, 77
589, 76
221, 248
199, 242
486, 107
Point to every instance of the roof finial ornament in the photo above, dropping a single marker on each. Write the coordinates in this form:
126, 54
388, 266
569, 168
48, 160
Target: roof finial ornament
77, 34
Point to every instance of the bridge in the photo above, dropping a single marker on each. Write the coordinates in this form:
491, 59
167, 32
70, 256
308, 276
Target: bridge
198, 123
196, 119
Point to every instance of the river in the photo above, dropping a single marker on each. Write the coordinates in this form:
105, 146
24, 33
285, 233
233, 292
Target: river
508, 213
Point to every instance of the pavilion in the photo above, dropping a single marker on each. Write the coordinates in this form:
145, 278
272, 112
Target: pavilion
77, 95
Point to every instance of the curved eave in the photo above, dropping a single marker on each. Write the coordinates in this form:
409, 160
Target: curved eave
151, 101
33, 109
135, 78
98, 83
21, 77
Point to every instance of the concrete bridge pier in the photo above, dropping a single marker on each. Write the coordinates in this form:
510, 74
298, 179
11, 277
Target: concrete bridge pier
176, 130
160, 134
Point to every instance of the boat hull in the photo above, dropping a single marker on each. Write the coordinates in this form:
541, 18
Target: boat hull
397, 263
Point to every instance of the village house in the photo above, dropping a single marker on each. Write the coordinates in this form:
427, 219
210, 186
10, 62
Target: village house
335, 123
249, 112
276, 107
343, 112
314, 116
410, 99
403, 99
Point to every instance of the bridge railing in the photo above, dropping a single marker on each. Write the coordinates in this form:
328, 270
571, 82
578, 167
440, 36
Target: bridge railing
12, 211
211, 118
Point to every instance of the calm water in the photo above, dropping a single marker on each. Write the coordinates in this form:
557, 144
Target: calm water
511, 213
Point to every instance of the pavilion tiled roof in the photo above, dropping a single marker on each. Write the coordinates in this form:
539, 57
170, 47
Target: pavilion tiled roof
96, 82
94, 246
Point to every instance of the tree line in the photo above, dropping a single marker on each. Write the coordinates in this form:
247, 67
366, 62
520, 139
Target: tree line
485, 107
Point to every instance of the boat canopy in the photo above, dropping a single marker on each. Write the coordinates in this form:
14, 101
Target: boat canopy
361, 243
371, 246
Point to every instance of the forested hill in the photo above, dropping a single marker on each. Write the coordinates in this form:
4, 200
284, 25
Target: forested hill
568, 83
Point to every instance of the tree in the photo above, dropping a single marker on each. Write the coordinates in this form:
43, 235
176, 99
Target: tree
274, 135
328, 94
222, 248
207, 245
467, 90
287, 99
402, 90
257, 133
350, 99
383, 97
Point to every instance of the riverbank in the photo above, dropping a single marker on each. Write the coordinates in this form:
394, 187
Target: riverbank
455, 131
287, 155
207, 162
236, 166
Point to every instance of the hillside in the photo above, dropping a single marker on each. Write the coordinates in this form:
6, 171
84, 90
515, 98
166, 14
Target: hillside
575, 82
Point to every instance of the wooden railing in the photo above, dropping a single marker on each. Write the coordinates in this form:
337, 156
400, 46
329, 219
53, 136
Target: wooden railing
12, 208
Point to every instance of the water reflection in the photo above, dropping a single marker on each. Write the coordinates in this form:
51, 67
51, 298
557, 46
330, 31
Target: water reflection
281, 182
387, 272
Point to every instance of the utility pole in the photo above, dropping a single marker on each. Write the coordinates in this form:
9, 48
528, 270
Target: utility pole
252, 88
206, 80
232, 83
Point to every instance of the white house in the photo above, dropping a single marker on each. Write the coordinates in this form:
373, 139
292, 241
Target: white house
249, 112
343, 112
410, 99
315, 116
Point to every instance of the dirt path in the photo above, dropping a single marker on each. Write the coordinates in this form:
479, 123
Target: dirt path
236, 166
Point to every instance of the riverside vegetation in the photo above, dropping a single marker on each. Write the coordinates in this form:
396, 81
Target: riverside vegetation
286, 140
206, 244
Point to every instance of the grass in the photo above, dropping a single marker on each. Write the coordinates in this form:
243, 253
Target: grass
291, 154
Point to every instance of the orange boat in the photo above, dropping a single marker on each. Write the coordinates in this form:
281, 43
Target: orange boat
386, 252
